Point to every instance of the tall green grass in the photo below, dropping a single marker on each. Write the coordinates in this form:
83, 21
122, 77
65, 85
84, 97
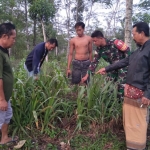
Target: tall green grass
37, 103
43, 104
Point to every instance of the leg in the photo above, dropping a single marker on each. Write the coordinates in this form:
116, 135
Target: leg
76, 72
4, 131
30, 74
135, 123
84, 69
7, 115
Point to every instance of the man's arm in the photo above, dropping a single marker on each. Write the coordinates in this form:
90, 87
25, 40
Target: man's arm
94, 63
36, 61
70, 56
120, 64
90, 49
3, 102
147, 91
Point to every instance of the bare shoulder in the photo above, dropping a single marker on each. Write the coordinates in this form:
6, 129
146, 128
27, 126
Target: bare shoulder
72, 40
88, 37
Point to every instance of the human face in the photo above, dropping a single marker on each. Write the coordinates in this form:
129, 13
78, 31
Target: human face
97, 41
79, 31
137, 37
10, 40
50, 46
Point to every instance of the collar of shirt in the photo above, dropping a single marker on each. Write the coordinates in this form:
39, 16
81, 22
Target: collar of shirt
4, 50
142, 46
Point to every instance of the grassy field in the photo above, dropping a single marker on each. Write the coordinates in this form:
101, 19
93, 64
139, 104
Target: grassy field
52, 114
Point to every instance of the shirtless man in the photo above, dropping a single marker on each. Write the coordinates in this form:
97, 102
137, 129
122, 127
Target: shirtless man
82, 46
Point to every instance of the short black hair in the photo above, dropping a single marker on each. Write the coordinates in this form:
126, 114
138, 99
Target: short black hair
142, 27
52, 41
80, 24
97, 33
6, 28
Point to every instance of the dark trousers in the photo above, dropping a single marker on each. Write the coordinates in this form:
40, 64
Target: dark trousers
79, 70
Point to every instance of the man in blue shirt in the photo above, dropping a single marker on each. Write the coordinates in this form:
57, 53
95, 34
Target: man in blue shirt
37, 56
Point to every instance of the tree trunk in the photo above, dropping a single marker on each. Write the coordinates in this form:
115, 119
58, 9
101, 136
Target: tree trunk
67, 9
44, 36
34, 31
56, 51
89, 16
77, 11
26, 19
43, 29
128, 22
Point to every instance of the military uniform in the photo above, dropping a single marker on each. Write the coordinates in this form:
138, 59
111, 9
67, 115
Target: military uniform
114, 51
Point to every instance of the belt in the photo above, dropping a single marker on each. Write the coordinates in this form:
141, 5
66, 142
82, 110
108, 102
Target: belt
81, 60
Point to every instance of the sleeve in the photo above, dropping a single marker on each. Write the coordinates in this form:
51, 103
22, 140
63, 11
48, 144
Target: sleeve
1, 66
120, 64
120, 45
147, 91
94, 63
36, 60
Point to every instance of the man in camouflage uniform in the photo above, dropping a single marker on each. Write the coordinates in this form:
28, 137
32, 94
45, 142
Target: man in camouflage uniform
111, 51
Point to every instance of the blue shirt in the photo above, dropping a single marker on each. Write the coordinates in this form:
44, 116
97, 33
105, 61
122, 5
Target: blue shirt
36, 58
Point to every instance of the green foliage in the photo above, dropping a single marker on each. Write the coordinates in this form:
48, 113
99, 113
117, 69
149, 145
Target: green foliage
44, 104
97, 102
42, 99
41, 10
100, 142
141, 16
145, 4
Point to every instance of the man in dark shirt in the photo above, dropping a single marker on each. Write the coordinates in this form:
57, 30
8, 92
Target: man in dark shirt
37, 56
137, 89
7, 39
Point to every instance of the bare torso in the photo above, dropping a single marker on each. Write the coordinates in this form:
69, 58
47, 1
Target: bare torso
81, 47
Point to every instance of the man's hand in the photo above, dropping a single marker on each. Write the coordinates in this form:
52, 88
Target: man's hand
145, 101
68, 73
101, 71
3, 105
84, 78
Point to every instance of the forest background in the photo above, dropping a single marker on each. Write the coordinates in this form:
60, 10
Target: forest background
49, 113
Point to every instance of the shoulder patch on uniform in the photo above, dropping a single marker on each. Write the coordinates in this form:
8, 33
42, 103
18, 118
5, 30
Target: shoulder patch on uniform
120, 45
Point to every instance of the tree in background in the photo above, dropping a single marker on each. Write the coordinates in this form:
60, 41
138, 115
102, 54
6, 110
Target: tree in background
78, 10
12, 11
145, 4
128, 22
43, 11
144, 13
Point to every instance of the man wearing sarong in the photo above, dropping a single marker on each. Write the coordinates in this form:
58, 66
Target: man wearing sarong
82, 46
137, 89
111, 51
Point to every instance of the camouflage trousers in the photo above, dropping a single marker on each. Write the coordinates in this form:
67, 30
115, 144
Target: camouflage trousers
119, 77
